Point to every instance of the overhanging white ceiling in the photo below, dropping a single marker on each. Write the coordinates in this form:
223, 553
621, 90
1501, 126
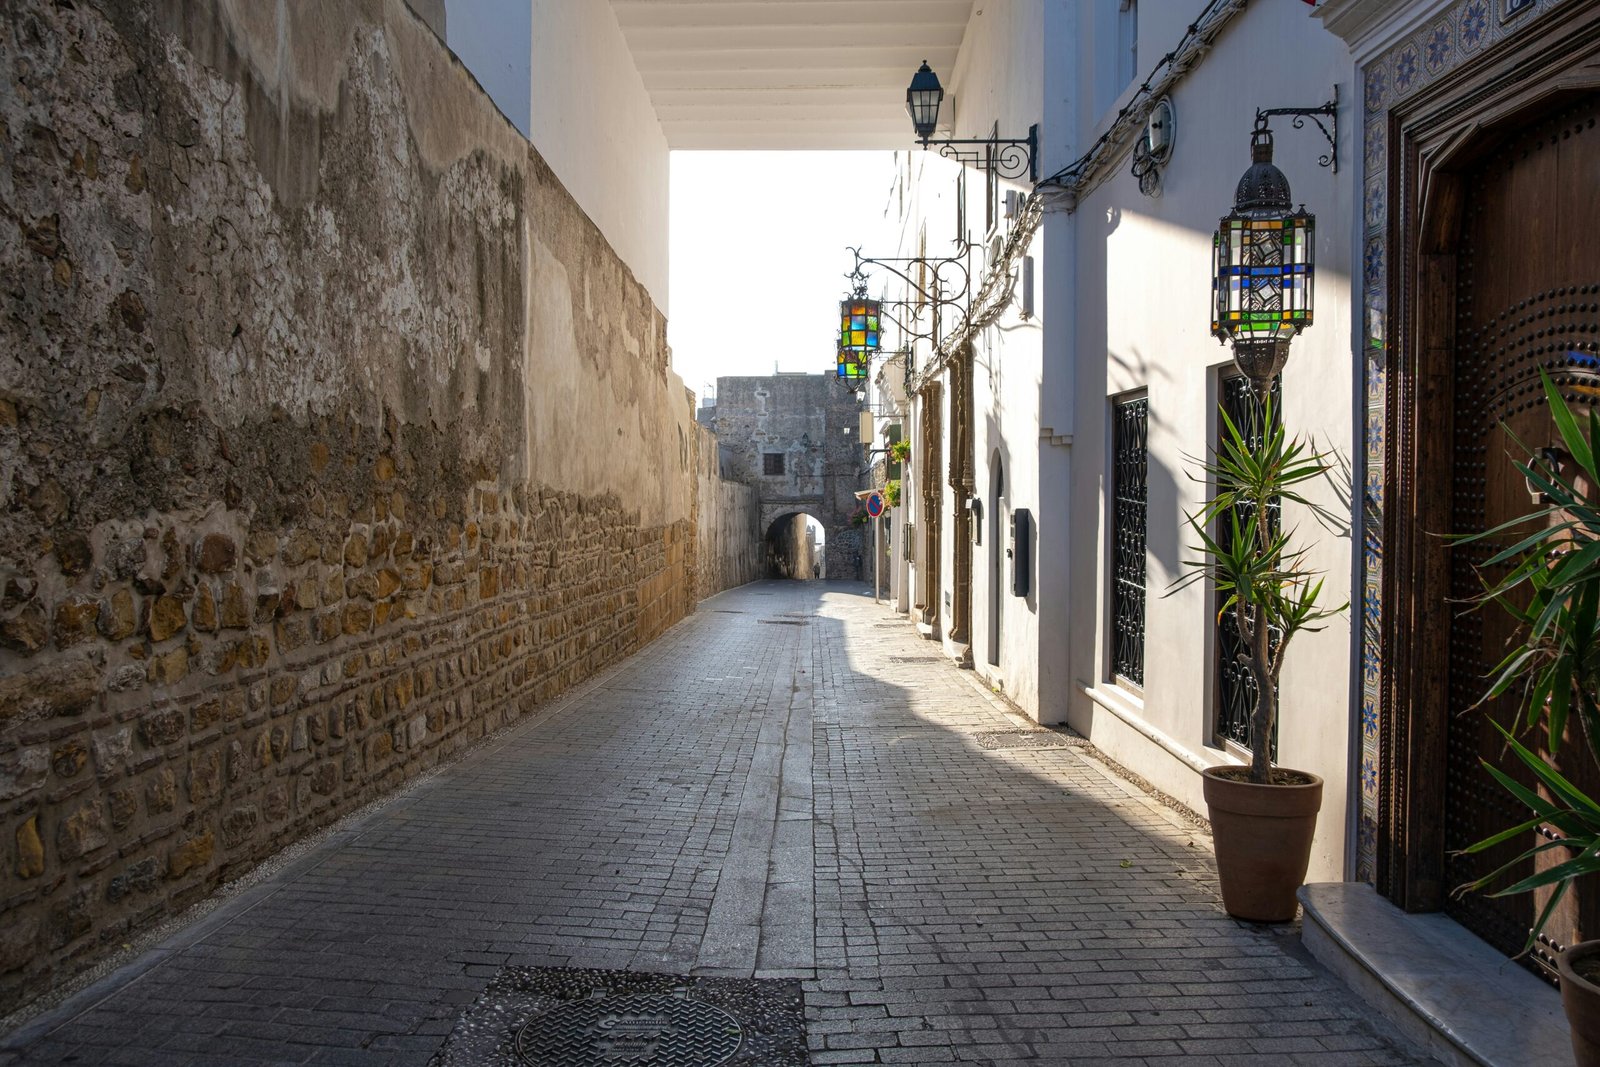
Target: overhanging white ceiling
803, 74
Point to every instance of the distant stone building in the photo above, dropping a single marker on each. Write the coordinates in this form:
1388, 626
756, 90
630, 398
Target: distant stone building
795, 437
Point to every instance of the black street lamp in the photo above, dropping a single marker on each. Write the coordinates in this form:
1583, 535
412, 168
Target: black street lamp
922, 101
1006, 157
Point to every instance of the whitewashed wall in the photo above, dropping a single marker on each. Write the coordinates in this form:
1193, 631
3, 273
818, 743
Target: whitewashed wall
595, 125
1143, 269
999, 80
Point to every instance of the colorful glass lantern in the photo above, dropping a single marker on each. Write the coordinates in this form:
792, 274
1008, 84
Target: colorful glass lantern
1262, 268
858, 326
922, 101
851, 365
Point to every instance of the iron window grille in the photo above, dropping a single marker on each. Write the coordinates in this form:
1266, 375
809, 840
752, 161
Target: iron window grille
772, 463
1235, 689
1130, 469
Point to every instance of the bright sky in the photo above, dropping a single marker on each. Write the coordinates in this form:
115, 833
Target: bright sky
758, 256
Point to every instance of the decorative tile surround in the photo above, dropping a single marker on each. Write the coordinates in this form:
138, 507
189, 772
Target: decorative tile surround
1459, 34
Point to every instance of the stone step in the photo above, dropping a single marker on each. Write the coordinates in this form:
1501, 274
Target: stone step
1443, 987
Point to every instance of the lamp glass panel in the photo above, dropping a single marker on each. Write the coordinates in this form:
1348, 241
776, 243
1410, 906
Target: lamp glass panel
858, 325
1261, 277
924, 108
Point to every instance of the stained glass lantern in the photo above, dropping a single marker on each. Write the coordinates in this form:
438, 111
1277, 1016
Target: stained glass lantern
922, 101
1262, 268
858, 326
851, 365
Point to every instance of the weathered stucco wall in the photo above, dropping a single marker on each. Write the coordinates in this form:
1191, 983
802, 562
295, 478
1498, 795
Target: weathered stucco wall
333, 435
728, 522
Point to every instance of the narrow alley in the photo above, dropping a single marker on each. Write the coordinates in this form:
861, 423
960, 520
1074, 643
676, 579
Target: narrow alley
789, 785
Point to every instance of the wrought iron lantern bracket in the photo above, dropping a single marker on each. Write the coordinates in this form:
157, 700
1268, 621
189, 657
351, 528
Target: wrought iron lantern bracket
949, 282
1330, 129
1006, 157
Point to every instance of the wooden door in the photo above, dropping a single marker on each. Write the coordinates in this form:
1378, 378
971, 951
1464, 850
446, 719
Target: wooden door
1527, 298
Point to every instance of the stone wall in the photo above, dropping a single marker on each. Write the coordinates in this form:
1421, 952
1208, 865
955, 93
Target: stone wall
728, 522
332, 437
811, 421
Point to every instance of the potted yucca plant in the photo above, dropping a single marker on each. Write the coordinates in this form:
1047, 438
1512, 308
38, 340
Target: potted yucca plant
1262, 817
1552, 588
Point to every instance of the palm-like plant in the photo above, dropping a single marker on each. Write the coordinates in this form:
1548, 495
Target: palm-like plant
1258, 570
1553, 590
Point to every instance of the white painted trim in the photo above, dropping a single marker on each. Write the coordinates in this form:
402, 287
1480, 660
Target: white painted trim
1128, 708
1371, 27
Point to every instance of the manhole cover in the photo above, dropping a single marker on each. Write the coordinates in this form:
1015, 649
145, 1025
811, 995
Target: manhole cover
577, 1017
662, 1031
998, 739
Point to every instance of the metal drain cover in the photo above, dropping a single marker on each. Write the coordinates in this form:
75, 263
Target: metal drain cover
999, 739
661, 1031
587, 1017
784, 622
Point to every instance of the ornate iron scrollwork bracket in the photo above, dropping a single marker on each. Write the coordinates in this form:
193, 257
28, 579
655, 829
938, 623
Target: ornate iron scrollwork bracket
1330, 130
1006, 157
947, 283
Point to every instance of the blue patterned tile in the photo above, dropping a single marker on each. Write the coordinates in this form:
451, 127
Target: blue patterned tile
1369, 777
1372, 264
1367, 849
1438, 48
1375, 142
1377, 83
1407, 65
1472, 25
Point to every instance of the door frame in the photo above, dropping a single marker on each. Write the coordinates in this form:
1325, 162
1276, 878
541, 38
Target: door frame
1438, 136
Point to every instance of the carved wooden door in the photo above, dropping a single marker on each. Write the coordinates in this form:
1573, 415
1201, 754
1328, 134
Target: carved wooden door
1528, 298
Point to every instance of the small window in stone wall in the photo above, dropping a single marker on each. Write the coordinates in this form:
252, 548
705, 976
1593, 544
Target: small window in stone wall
772, 463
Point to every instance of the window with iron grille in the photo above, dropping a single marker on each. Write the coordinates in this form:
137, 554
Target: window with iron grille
772, 463
1130, 464
1235, 689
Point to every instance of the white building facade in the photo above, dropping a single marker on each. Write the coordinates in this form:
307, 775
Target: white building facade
1056, 427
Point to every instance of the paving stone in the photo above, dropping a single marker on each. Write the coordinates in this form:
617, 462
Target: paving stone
806, 802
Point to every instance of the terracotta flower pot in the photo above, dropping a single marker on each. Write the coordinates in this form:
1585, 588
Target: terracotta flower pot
1262, 835
1581, 998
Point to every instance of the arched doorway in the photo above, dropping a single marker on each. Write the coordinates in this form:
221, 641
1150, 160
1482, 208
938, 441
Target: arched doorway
796, 547
997, 599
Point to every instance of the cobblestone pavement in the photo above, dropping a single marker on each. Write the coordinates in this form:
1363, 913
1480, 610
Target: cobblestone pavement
788, 784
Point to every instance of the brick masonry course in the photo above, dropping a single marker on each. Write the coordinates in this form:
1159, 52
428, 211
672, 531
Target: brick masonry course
785, 785
333, 436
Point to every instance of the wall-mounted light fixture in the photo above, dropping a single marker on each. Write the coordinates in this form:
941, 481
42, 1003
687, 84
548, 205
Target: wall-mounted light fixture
1006, 157
1261, 263
1154, 147
859, 335
940, 285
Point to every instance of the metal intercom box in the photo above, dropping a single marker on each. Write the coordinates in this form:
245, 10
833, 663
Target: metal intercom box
1021, 539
